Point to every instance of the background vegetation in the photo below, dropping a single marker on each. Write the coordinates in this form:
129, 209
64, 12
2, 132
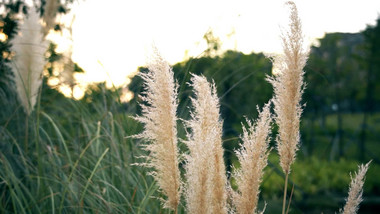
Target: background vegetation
79, 158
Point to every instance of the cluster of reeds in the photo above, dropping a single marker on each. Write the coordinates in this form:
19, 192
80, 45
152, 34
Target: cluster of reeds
206, 187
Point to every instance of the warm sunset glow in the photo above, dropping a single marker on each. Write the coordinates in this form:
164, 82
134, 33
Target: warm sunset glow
127, 96
3, 37
110, 40
77, 92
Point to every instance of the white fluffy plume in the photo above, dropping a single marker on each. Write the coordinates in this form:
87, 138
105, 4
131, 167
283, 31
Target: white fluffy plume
28, 62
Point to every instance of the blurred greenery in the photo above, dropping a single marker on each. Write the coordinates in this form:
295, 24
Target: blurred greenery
80, 157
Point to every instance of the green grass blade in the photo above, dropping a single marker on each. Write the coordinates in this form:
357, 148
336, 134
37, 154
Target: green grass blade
58, 132
92, 174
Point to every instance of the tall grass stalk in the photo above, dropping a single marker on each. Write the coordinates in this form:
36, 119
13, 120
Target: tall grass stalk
92, 174
288, 88
28, 62
253, 157
205, 169
37, 139
160, 128
356, 191
27, 65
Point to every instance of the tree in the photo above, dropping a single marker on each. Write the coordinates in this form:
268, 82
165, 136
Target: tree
371, 61
334, 78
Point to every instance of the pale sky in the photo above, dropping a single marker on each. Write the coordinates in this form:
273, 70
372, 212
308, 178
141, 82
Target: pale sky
112, 38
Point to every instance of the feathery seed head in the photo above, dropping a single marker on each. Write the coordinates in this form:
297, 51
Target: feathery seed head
205, 170
288, 88
27, 65
50, 11
356, 191
160, 130
253, 157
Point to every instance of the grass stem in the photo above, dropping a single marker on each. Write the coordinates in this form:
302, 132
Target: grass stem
26, 134
285, 189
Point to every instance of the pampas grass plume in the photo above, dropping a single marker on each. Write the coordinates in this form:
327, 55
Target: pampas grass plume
356, 191
50, 11
253, 157
28, 62
205, 169
160, 130
288, 88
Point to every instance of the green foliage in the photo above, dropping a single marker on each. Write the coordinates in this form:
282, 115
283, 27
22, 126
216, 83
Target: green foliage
319, 136
8, 26
79, 159
371, 62
332, 75
320, 184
